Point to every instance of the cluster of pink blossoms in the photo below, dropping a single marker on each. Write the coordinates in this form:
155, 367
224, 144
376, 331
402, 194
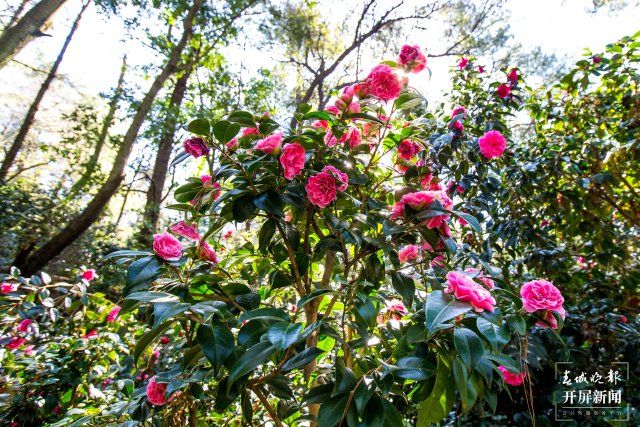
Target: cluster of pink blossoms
464, 288
422, 200
169, 248
323, 187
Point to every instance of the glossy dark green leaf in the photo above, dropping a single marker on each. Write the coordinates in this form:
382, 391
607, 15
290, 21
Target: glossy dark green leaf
264, 313
225, 131
306, 356
200, 127
468, 345
332, 411
439, 309
217, 343
250, 360
405, 286
283, 335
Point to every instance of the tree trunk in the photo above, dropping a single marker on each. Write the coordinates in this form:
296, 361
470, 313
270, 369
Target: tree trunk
18, 142
14, 38
16, 14
90, 167
161, 165
80, 223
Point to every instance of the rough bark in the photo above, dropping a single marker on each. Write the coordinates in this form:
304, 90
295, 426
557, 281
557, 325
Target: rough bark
14, 38
90, 214
161, 164
90, 167
18, 142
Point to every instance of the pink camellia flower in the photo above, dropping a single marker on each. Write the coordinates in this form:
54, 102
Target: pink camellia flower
23, 326
320, 124
596, 59
458, 110
465, 289
543, 297
249, 132
166, 246
342, 180
271, 144
384, 83
329, 139
332, 109
7, 288
462, 64
492, 144
156, 392
623, 319
190, 231
412, 58
113, 314
28, 349
89, 275
480, 277
321, 189
206, 252
513, 76
503, 91
164, 340
425, 181
353, 108
407, 149
228, 234
232, 145
91, 334
396, 308
292, 160
353, 136
196, 146
206, 181
15, 343
420, 200
511, 378
408, 253
480, 69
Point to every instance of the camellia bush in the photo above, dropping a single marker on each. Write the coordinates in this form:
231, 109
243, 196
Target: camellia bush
362, 296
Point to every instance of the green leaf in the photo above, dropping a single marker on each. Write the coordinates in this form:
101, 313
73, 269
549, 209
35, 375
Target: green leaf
225, 131
313, 295
266, 234
468, 345
200, 127
165, 310
413, 368
270, 202
405, 286
306, 356
283, 335
434, 408
265, 313
152, 296
498, 337
392, 417
217, 343
506, 361
250, 360
440, 308
473, 222
126, 253
331, 412
408, 100
320, 115
244, 118
374, 412
142, 272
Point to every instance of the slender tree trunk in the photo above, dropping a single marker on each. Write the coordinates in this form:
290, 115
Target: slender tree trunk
161, 164
90, 167
14, 38
80, 223
18, 142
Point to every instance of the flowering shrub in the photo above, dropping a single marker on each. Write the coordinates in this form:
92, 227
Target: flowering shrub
361, 297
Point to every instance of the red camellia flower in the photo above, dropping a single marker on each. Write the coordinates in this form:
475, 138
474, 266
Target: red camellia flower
352, 136
91, 334
166, 246
89, 275
596, 59
7, 288
543, 297
15, 343
271, 144
292, 160
623, 318
512, 76
23, 326
462, 64
503, 91
458, 110
384, 83
190, 231
196, 146
113, 314
412, 58
206, 252
465, 289
156, 392
164, 340
511, 378
492, 144
407, 149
